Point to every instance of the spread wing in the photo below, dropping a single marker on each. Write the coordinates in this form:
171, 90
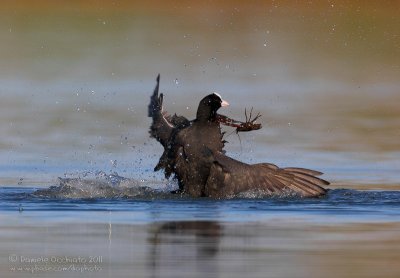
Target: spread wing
229, 177
162, 125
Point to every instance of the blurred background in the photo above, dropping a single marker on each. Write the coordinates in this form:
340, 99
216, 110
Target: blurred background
76, 76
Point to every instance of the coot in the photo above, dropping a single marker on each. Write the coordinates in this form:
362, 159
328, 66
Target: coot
193, 152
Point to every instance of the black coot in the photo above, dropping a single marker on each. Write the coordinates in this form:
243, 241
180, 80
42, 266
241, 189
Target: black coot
193, 152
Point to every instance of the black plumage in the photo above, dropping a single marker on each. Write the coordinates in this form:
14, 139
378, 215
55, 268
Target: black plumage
193, 152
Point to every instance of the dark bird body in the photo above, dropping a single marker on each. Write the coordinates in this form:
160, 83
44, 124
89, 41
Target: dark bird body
193, 152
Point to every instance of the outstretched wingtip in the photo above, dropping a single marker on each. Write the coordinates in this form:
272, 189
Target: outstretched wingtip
155, 103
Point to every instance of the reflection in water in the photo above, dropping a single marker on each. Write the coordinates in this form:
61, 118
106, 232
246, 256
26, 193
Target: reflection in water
280, 247
180, 247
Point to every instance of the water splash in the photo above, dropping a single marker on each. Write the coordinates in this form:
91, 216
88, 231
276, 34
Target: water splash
103, 185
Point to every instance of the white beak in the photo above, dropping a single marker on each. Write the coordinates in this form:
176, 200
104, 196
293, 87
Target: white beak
224, 103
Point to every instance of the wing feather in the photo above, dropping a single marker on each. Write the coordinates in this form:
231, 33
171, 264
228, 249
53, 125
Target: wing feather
160, 128
263, 176
303, 171
163, 125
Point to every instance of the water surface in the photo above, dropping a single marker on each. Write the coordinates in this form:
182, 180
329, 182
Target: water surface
75, 82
